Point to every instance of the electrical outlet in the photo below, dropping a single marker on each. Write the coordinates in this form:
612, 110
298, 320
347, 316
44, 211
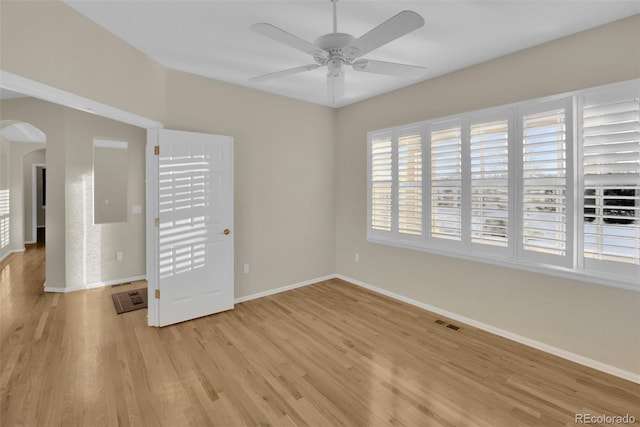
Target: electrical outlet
119, 256
246, 268
356, 257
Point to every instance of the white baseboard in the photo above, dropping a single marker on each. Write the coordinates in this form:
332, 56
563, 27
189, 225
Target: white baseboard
283, 289
627, 375
93, 285
13, 251
31, 242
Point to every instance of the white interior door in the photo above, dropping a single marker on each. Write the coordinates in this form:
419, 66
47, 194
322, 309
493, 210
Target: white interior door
194, 267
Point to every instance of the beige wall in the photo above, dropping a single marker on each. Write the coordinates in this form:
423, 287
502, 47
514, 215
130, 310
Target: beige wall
50, 120
91, 248
33, 158
110, 184
18, 191
594, 321
51, 43
284, 176
79, 253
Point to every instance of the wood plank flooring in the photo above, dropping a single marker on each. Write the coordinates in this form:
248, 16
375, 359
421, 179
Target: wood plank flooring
329, 354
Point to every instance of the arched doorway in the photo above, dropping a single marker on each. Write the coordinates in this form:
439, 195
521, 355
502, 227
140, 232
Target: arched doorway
18, 140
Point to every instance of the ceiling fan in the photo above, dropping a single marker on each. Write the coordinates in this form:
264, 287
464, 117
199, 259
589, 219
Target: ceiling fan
335, 50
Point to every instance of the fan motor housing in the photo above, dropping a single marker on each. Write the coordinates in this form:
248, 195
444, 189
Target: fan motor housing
334, 42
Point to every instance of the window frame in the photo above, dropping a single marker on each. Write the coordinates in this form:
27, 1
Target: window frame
573, 265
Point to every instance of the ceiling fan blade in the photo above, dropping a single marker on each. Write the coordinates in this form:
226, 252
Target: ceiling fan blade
389, 68
282, 36
395, 27
283, 73
335, 86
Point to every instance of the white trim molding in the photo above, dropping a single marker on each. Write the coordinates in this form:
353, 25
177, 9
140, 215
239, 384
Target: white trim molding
573, 357
13, 251
283, 289
93, 285
43, 91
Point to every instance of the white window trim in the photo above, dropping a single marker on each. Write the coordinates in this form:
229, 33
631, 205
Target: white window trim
575, 268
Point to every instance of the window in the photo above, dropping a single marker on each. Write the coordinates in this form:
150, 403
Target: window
381, 182
611, 169
489, 153
446, 181
549, 185
410, 182
546, 128
396, 157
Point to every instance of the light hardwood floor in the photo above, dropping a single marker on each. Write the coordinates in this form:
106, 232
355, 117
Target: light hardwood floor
330, 354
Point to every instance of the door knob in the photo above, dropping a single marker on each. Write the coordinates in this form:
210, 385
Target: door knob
227, 231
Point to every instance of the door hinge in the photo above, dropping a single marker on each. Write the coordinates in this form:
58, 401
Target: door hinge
157, 293
156, 150
156, 222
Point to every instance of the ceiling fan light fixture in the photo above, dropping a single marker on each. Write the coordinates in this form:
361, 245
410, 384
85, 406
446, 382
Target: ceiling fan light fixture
335, 66
334, 50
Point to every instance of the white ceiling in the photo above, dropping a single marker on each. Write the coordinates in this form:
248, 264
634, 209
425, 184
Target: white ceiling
212, 38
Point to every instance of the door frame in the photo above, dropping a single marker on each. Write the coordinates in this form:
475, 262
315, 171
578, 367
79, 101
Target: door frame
34, 200
151, 203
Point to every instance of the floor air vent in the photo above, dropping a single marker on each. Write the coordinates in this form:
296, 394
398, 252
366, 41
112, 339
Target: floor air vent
448, 325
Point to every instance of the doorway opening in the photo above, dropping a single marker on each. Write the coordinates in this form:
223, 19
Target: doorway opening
21, 146
35, 198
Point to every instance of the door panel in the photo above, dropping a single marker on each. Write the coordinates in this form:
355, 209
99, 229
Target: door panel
195, 204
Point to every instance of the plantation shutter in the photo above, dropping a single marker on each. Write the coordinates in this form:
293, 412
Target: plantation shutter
446, 180
410, 182
611, 168
489, 154
546, 217
381, 200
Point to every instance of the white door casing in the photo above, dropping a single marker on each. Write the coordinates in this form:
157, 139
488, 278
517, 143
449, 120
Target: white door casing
192, 245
